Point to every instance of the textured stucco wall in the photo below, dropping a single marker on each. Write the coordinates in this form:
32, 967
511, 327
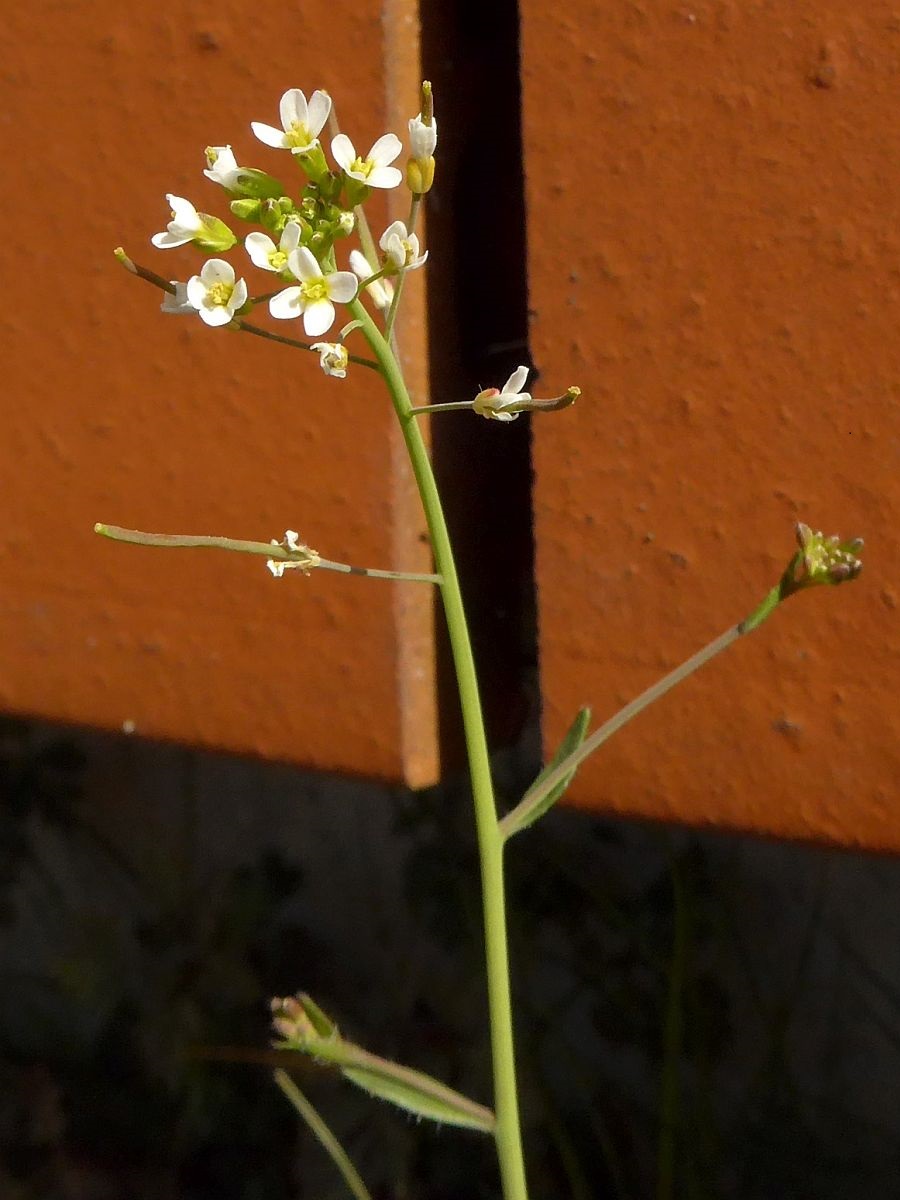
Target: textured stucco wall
115, 413
714, 257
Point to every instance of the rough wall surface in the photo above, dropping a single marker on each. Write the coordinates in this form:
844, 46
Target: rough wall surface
115, 413
714, 256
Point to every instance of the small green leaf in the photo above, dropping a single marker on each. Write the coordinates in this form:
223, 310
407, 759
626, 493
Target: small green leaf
536, 800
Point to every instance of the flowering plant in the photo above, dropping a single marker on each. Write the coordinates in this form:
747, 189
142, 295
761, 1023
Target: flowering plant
301, 240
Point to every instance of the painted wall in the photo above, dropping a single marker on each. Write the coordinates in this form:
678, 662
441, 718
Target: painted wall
714, 256
115, 413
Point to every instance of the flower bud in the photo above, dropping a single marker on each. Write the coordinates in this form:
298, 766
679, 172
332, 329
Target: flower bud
420, 175
247, 210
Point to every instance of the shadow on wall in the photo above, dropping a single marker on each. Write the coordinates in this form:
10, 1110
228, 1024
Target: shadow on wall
152, 899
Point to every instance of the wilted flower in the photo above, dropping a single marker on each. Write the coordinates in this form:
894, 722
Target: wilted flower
493, 403
333, 358
177, 303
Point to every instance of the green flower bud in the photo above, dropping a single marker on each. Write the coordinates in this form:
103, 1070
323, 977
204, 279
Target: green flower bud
247, 210
821, 561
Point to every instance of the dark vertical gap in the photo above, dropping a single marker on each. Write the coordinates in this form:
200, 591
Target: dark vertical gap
478, 320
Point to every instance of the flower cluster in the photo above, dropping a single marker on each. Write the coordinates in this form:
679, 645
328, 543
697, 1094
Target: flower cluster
299, 234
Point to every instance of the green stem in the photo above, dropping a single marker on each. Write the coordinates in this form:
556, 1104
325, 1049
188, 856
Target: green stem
323, 1135
654, 693
398, 288
275, 551
490, 844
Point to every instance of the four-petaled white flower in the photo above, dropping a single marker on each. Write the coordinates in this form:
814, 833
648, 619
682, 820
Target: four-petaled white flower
373, 170
214, 292
333, 358
266, 255
177, 304
493, 403
401, 248
223, 168
422, 137
183, 227
312, 298
382, 290
301, 122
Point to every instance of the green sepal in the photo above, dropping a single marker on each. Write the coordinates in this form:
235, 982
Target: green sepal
320, 1021
214, 235
536, 802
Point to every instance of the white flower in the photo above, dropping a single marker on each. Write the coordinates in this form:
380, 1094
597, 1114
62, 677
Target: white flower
183, 227
266, 255
382, 290
301, 122
493, 403
333, 358
313, 297
214, 292
422, 137
177, 304
401, 248
223, 168
373, 169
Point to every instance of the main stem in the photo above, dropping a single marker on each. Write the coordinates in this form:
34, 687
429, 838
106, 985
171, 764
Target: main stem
490, 843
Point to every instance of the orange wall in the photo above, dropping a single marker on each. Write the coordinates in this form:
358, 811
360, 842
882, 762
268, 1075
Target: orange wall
116, 413
715, 258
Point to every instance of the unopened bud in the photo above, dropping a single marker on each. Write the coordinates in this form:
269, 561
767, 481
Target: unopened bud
420, 175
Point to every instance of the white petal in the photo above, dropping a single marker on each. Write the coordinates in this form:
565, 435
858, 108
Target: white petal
224, 166
318, 317
302, 263
384, 177
395, 251
359, 263
183, 213
217, 270
177, 303
342, 286
167, 240
286, 304
395, 229
319, 108
259, 246
290, 237
385, 149
293, 109
238, 296
215, 316
269, 134
343, 150
516, 381
195, 291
